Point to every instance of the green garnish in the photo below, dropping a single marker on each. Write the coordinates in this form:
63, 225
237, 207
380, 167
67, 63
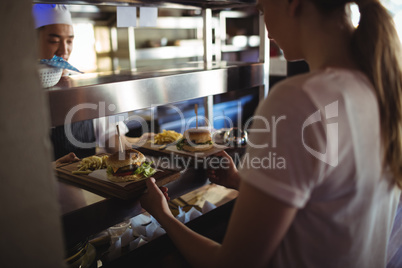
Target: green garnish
109, 170
145, 169
180, 143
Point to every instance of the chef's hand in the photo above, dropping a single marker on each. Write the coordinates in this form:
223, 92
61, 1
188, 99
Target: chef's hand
155, 199
68, 158
225, 173
64, 82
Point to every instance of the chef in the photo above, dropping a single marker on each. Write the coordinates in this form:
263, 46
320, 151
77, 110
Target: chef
55, 30
55, 37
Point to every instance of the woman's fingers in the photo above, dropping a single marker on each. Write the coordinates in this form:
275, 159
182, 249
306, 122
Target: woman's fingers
153, 188
163, 189
166, 196
150, 182
222, 153
212, 176
211, 172
165, 192
155, 199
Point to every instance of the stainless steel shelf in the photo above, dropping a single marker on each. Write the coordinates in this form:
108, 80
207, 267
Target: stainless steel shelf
213, 4
93, 96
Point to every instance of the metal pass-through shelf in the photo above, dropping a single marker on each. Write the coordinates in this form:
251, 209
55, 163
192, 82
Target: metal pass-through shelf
93, 96
96, 95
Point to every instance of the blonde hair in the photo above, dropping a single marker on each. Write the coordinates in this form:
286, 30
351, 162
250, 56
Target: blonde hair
377, 50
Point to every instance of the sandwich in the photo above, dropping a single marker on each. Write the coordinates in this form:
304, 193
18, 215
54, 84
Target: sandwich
195, 140
131, 165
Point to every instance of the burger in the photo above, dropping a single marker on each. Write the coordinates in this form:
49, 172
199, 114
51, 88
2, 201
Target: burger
195, 140
131, 165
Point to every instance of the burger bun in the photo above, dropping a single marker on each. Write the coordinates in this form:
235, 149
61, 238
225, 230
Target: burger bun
197, 135
128, 157
198, 140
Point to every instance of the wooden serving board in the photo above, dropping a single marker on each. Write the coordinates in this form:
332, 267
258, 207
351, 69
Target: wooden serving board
154, 149
111, 189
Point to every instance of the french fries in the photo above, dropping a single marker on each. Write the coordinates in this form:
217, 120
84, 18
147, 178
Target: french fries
90, 164
167, 136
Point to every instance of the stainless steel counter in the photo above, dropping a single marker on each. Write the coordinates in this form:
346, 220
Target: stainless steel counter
92, 96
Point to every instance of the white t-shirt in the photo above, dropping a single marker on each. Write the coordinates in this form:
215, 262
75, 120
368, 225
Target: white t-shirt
346, 202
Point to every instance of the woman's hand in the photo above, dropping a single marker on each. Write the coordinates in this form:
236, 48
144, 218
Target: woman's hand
225, 173
155, 200
68, 158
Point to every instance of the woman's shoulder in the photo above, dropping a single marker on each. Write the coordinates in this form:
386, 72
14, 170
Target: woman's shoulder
289, 97
290, 89
325, 75
306, 93
331, 80
293, 82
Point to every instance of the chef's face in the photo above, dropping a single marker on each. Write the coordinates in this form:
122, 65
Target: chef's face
56, 39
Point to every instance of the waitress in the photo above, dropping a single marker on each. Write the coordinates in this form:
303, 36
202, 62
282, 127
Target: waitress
334, 201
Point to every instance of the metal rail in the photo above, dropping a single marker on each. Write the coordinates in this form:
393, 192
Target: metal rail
104, 95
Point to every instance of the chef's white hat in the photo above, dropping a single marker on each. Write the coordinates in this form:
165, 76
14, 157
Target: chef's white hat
46, 14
